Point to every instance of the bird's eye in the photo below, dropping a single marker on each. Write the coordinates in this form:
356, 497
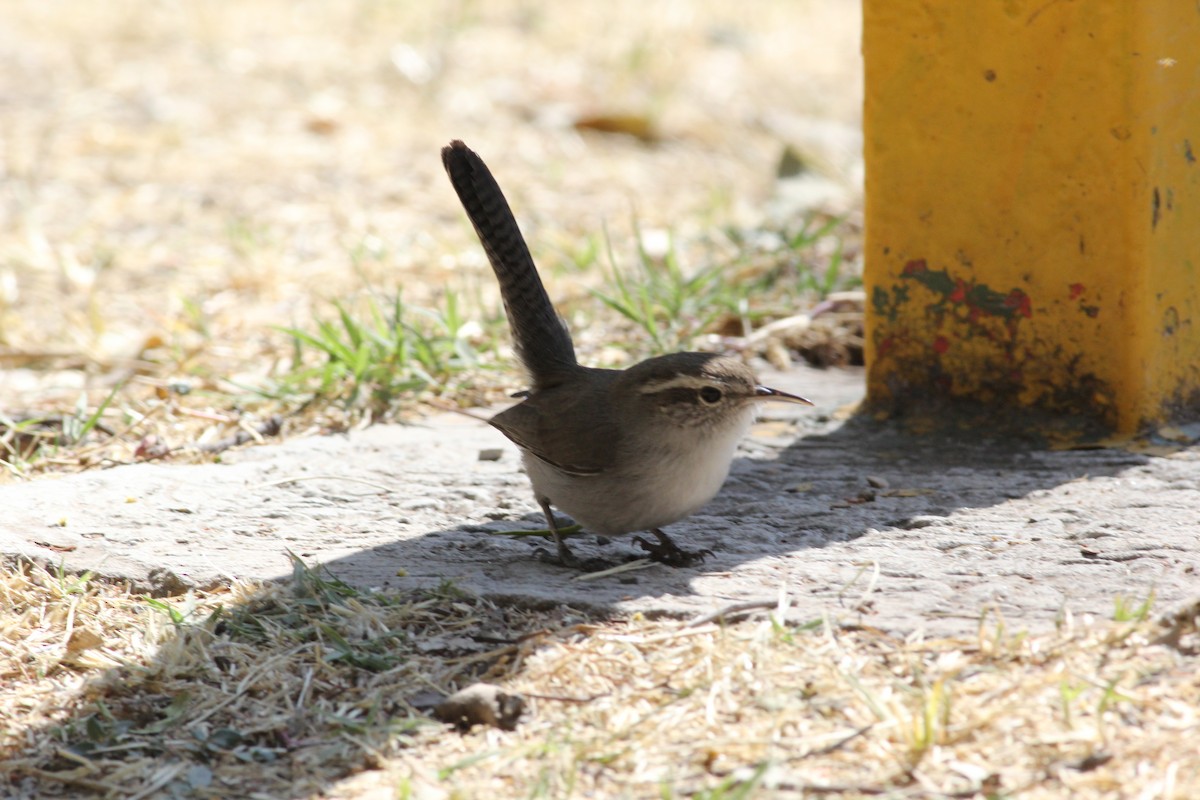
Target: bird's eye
710, 395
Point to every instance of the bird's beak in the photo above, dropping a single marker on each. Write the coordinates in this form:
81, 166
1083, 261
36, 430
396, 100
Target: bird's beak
763, 393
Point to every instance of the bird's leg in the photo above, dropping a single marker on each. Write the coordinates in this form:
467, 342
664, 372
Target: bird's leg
565, 556
669, 553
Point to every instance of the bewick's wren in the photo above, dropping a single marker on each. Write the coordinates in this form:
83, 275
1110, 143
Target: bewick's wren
619, 450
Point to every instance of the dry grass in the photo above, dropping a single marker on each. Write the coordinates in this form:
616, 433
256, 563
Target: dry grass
274, 691
177, 180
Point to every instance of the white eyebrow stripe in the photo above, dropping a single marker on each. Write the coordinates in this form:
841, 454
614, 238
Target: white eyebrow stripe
675, 382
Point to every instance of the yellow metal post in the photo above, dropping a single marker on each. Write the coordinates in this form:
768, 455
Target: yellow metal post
1033, 207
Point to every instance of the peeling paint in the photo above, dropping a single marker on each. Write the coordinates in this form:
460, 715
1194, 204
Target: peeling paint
1170, 322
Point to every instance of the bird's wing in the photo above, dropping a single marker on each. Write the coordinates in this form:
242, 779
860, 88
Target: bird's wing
560, 437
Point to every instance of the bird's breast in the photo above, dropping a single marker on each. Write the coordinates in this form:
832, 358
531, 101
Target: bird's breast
658, 479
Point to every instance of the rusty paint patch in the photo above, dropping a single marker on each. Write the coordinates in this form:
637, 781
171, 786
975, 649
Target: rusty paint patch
965, 300
952, 344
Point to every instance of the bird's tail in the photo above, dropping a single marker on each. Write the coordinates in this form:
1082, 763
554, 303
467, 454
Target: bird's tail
540, 337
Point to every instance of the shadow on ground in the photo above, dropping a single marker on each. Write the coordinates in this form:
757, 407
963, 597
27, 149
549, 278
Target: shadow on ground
857, 523
869, 526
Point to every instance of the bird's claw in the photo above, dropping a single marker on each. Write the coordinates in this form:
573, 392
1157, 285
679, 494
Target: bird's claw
665, 551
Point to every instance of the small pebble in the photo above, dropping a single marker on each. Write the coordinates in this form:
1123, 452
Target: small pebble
421, 504
481, 704
923, 521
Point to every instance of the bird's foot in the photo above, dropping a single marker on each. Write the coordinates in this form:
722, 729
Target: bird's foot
665, 551
563, 557
572, 561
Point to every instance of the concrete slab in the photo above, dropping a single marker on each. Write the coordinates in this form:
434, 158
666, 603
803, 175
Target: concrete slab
856, 521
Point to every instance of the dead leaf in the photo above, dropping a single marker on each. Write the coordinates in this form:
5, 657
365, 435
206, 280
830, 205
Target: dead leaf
83, 639
638, 126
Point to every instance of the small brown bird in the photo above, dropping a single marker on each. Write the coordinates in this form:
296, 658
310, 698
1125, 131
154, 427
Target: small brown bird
619, 450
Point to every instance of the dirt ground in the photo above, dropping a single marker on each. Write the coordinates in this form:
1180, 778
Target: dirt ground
180, 180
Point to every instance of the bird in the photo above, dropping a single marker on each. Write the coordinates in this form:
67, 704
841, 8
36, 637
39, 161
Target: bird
620, 450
